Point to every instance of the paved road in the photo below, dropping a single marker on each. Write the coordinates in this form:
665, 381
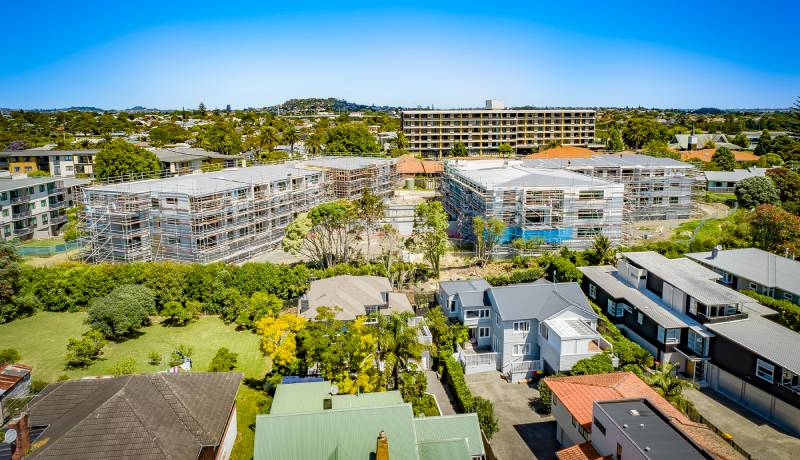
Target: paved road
523, 434
435, 388
752, 433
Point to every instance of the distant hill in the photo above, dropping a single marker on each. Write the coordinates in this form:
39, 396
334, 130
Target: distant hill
315, 104
708, 111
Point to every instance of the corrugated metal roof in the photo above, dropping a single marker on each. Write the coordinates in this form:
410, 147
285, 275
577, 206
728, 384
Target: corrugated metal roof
8, 184
449, 427
608, 161
756, 265
765, 338
451, 449
736, 175
532, 300
453, 287
494, 173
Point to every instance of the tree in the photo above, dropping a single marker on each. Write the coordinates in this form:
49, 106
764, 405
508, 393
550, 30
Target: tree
84, 350
314, 143
220, 137
601, 252
445, 334
400, 142
290, 136
488, 234
794, 122
121, 312
326, 234
615, 143
118, 158
9, 356
753, 191
10, 281
639, 131
787, 182
351, 138
659, 148
458, 150
179, 356
167, 133
486, 419
763, 146
669, 386
261, 304
154, 358
558, 268
369, 212
179, 314
505, 150
126, 366
413, 386
430, 232
774, 229
397, 344
741, 140
279, 337
201, 109
597, 364
223, 361
724, 158
228, 108
769, 160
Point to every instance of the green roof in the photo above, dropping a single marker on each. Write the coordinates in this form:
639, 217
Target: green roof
454, 449
300, 397
449, 427
380, 399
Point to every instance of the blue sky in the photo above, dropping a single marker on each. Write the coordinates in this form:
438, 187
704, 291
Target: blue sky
727, 54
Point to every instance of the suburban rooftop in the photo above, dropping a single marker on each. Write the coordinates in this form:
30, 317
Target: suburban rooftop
756, 265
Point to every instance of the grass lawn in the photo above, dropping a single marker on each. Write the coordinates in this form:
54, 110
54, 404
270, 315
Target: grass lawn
719, 197
43, 243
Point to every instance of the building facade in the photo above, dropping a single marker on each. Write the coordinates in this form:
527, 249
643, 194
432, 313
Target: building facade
62, 163
482, 131
31, 207
349, 177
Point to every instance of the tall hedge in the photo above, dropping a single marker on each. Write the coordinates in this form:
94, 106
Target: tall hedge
788, 313
454, 377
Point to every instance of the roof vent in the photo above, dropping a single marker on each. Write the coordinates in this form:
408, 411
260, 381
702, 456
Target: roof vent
327, 404
634, 412
624, 425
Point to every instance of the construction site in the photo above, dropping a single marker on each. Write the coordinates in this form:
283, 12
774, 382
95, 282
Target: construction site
554, 207
230, 215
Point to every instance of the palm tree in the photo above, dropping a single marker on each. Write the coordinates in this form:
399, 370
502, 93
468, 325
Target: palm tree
268, 139
670, 387
291, 136
397, 343
400, 142
601, 252
314, 144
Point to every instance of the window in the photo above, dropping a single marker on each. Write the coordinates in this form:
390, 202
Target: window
590, 195
521, 327
589, 231
484, 313
787, 295
452, 306
619, 450
42, 203
522, 349
765, 370
753, 286
692, 305
483, 332
599, 426
673, 200
669, 336
615, 309
41, 189
639, 318
592, 291
497, 319
590, 213
5, 212
171, 200
543, 330
628, 308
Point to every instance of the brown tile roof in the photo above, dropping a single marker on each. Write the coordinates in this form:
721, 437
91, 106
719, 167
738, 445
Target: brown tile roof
577, 393
408, 164
563, 151
583, 451
158, 416
706, 154
10, 374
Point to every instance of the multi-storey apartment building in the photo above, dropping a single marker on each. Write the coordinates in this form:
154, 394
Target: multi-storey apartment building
31, 206
555, 206
348, 177
64, 163
482, 131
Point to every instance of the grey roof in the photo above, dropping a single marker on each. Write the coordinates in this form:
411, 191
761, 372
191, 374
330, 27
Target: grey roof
158, 416
211, 182
756, 265
491, 173
454, 287
75, 181
348, 162
538, 300
682, 140
736, 175
605, 277
705, 290
46, 153
7, 183
628, 160
764, 338
472, 298
352, 294
175, 154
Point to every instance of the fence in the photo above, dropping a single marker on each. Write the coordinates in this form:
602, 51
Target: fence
47, 251
696, 417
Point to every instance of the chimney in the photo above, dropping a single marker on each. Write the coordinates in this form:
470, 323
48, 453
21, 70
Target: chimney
715, 251
382, 450
23, 443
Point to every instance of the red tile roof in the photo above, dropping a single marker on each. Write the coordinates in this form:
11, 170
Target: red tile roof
408, 164
10, 374
577, 393
583, 451
706, 154
563, 151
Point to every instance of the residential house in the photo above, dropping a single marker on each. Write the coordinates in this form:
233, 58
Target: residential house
311, 420
523, 328
428, 171
31, 207
619, 416
187, 416
701, 141
754, 269
177, 160
353, 297
754, 136
718, 337
725, 181
15, 385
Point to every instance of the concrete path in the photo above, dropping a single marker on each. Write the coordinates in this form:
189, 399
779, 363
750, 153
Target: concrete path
523, 434
435, 387
752, 433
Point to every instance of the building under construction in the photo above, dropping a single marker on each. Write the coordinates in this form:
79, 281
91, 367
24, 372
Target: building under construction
655, 188
556, 207
348, 177
229, 215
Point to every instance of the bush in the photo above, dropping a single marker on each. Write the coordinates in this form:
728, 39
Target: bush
9, 356
84, 350
223, 361
178, 314
37, 386
545, 397
154, 358
454, 377
788, 313
525, 275
486, 418
121, 312
125, 367
597, 364
753, 191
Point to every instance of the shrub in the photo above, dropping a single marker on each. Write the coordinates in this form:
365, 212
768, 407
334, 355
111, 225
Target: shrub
37, 386
753, 191
525, 275
62, 378
223, 361
545, 397
486, 418
454, 377
788, 313
121, 312
9, 356
125, 367
154, 358
597, 364
84, 350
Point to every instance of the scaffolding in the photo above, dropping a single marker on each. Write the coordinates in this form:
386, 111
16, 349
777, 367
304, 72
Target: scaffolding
349, 177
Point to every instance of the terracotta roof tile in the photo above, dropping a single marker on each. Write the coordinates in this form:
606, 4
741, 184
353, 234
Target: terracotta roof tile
583, 451
408, 164
706, 154
563, 151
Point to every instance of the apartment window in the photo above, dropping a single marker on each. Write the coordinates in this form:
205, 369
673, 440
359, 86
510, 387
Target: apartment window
5, 212
692, 305
669, 336
615, 309
599, 426
171, 200
590, 214
588, 231
753, 286
619, 451
765, 370
42, 203
521, 327
590, 195
41, 189
658, 200
521, 349
639, 318
673, 200
592, 291
483, 332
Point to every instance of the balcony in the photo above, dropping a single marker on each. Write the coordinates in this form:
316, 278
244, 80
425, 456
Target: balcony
57, 204
720, 319
23, 231
56, 191
58, 220
20, 198
475, 360
20, 214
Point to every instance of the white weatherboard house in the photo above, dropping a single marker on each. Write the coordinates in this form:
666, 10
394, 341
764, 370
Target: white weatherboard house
522, 328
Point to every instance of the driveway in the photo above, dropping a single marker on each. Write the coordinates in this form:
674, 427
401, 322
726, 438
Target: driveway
443, 399
752, 433
523, 434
